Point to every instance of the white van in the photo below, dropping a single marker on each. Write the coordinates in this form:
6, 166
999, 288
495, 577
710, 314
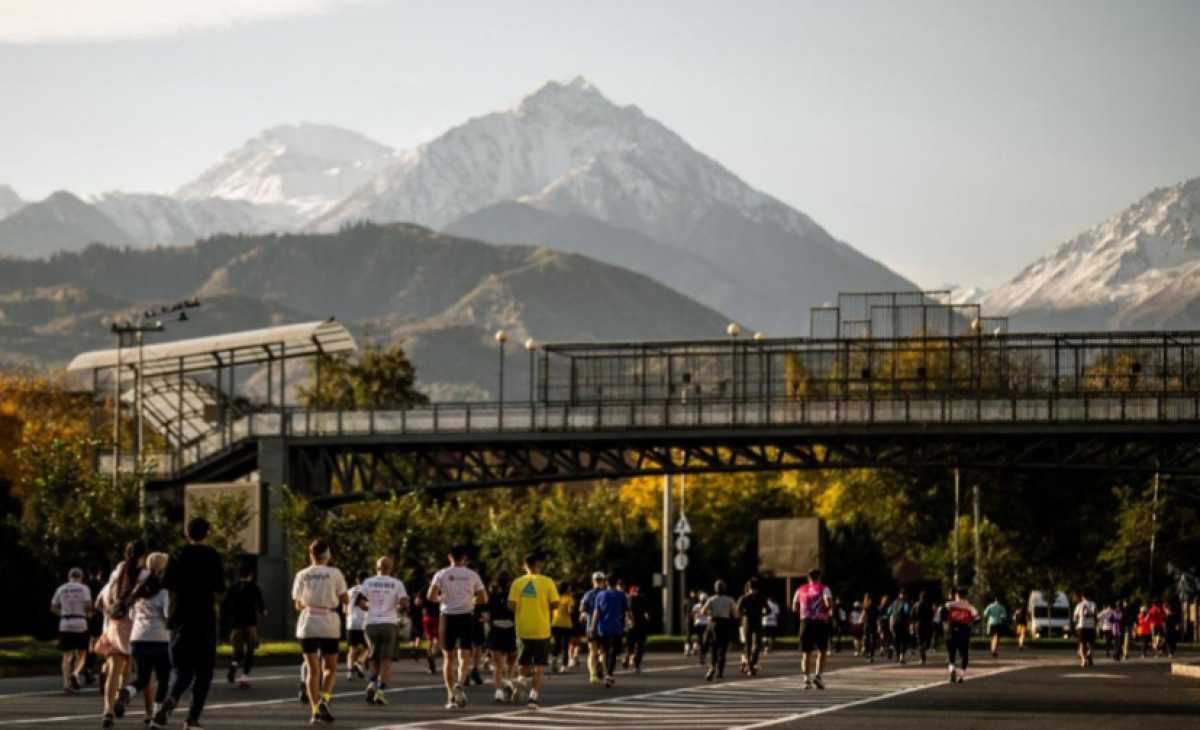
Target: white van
1047, 619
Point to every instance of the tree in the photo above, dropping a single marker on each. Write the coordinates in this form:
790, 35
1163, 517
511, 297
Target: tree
229, 516
375, 377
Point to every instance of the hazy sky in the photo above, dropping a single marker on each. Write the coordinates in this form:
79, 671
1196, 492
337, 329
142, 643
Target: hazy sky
954, 141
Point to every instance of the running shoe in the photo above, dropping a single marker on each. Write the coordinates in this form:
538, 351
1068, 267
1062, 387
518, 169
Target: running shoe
108, 721
609, 681
808, 683
708, 676
818, 682
73, 682
460, 696
475, 677
533, 704
500, 698
164, 712
451, 705
380, 699
303, 695
594, 679
323, 712
123, 697
962, 677
952, 677
191, 725
371, 693
231, 674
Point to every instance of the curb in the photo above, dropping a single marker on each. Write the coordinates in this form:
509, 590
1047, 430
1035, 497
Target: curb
1188, 669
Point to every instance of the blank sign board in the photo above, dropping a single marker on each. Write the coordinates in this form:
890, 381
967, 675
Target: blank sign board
790, 547
195, 494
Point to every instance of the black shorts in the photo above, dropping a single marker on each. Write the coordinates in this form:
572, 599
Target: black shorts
73, 640
324, 647
814, 635
478, 632
503, 640
996, 630
533, 653
356, 637
1087, 636
457, 630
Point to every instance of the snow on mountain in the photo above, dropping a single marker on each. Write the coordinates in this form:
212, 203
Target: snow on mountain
9, 201
964, 294
309, 167
568, 149
61, 222
1139, 268
158, 219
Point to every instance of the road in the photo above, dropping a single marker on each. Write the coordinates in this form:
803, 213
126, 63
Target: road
1016, 691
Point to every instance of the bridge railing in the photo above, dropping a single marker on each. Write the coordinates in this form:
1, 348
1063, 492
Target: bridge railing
492, 418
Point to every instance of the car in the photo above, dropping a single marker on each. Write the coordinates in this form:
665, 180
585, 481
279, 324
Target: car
1049, 619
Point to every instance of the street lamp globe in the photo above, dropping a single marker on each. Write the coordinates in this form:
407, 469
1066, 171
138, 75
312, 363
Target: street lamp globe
531, 344
734, 329
501, 336
760, 336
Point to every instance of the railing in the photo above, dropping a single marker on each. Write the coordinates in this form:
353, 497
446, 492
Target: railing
491, 418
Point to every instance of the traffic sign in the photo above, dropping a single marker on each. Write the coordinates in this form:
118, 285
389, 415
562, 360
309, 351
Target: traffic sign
682, 527
682, 543
681, 561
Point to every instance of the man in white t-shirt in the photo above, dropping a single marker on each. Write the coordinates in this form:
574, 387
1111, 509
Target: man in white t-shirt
72, 603
386, 600
356, 636
458, 589
318, 591
1085, 628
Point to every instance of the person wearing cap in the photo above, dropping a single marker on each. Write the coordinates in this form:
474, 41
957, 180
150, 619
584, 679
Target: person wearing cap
457, 589
532, 598
587, 611
72, 603
319, 591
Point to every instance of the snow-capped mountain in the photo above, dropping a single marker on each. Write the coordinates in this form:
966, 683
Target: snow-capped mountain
964, 294
161, 220
61, 222
309, 167
9, 201
1138, 269
568, 149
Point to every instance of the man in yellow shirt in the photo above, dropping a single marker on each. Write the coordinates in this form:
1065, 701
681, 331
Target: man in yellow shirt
561, 628
532, 598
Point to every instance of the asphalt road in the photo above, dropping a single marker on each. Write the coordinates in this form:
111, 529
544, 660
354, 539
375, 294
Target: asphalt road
1030, 690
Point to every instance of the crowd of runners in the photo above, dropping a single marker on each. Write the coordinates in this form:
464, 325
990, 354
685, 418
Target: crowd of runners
153, 624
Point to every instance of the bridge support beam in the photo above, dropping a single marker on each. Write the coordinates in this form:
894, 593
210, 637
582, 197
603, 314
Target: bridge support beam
274, 572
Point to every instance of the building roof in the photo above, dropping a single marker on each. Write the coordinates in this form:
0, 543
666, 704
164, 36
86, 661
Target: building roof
250, 347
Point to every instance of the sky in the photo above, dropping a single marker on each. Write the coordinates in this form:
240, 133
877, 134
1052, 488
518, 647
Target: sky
953, 141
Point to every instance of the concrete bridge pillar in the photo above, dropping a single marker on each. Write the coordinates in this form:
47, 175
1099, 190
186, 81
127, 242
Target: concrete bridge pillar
274, 572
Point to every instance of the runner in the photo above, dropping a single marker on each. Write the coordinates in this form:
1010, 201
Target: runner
856, 627
431, 613
1085, 628
885, 626
1117, 631
357, 650
812, 603
587, 610
960, 615
923, 613
751, 607
478, 642
243, 608
939, 626
149, 639
562, 627
319, 590
1020, 619
195, 577
532, 598
722, 614
870, 628
1172, 629
116, 601
95, 583
994, 618
609, 617
1144, 632
689, 623
1158, 623
701, 623
457, 589
502, 640
72, 603
639, 629
386, 600
1104, 629
901, 626
771, 624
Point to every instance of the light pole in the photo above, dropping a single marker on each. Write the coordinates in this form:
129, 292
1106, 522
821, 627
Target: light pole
733, 330
531, 346
763, 388
501, 339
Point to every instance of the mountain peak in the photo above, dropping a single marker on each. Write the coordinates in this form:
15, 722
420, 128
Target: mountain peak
572, 96
9, 200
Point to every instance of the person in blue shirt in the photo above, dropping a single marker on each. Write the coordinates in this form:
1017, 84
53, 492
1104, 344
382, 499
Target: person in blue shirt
587, 610
609, 617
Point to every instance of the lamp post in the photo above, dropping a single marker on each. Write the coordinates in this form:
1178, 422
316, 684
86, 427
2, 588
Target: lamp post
733, 330
531, 346
501, 339
763, 387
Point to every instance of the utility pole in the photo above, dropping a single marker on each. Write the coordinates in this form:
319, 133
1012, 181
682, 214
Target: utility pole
977, 581
1153, 532
955, 548
670, 615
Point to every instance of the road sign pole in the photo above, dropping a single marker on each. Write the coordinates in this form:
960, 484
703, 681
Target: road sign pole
670, 614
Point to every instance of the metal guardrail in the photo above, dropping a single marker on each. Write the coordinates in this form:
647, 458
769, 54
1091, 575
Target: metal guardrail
492, 418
